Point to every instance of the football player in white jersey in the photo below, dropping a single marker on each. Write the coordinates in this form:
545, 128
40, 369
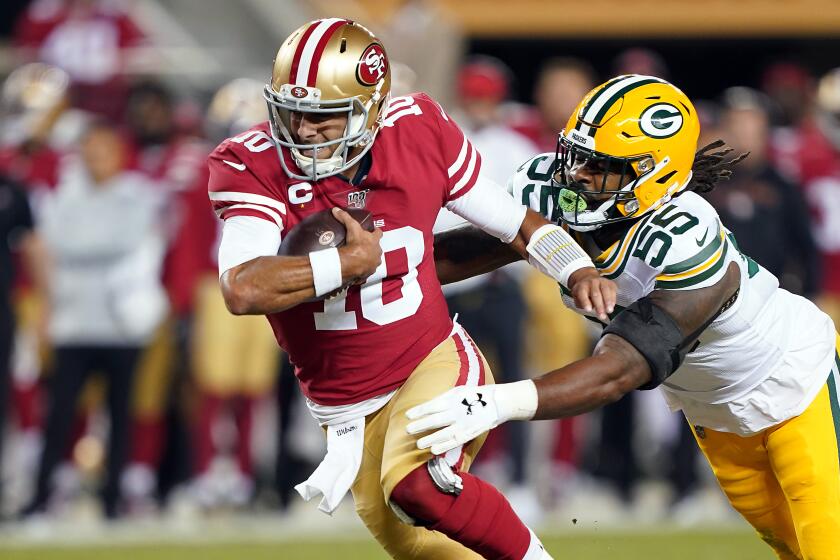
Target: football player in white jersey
753, 367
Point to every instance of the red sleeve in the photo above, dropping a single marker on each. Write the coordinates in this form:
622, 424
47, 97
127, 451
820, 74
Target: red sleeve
460, 159
190, 251
236, 189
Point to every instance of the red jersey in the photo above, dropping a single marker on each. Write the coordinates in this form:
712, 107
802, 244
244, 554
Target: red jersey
367, 342
808, 157
37, 169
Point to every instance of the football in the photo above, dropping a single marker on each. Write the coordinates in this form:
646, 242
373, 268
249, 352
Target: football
320, 231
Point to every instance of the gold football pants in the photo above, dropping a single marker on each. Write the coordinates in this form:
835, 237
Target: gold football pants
390, 453
786, 480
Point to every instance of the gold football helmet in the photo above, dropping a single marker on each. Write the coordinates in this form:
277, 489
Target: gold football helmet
640, 127
31, 100
236, 106
331, 66
828, 92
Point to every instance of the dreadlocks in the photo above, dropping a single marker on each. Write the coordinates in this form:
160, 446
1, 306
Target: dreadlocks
711, 167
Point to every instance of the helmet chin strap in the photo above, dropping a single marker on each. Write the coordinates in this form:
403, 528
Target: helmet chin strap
325, 166
339, 161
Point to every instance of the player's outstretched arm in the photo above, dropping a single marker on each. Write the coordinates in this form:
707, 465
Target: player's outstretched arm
276, 283
463, 413
639, 350
468, 251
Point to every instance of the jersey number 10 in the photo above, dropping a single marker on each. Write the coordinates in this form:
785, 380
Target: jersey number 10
336, 317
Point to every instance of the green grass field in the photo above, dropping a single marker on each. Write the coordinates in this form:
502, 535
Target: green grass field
589, 546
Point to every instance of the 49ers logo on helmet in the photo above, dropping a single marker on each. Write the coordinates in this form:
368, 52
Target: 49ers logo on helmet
299, 92
372, 65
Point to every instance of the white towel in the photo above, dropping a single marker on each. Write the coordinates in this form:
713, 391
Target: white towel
337, 472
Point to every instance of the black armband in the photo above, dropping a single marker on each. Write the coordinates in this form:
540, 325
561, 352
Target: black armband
655, 334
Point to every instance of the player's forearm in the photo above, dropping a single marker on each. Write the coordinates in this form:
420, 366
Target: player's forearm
467, 251
273, 284
614, 370
267, 285
532, 222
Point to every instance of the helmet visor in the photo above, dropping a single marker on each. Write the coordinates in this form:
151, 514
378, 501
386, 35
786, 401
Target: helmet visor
282, 106
592, 184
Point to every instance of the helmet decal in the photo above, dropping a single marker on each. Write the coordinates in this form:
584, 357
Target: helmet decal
373, 65
310, 48
299, 92
662, 120
585, 141
600, 103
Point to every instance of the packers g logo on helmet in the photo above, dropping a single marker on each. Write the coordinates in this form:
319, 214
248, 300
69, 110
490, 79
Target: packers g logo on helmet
640, 132
661, 120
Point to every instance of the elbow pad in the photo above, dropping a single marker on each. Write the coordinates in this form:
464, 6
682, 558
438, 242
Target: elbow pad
655, 334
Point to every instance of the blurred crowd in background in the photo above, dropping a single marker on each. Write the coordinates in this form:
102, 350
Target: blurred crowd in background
122, 376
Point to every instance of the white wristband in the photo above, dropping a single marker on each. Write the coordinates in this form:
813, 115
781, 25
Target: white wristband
326, 270
516, 401
555, 253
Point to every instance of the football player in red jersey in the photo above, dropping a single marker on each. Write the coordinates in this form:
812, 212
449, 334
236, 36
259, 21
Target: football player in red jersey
365, 356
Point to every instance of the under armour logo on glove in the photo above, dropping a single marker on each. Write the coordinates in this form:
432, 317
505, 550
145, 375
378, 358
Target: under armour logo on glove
462, 413
469, 405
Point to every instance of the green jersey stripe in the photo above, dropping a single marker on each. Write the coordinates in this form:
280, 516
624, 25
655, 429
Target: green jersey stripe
697, 259
629, 251
697, 278
832, 397
614, 256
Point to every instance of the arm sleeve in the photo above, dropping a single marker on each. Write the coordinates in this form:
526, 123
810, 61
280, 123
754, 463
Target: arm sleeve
489, 207
245, 238
686, 245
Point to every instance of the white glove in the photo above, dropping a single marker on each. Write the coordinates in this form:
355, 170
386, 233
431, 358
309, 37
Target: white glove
464, 413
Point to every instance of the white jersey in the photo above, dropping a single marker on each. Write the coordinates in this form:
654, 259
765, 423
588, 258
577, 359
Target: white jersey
761, 362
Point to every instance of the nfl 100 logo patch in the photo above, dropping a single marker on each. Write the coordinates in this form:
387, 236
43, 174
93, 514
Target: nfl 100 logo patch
357, 199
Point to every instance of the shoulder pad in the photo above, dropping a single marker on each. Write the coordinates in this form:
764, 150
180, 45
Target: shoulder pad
531, 185
255, 140
685, 243
251, 152
414, 104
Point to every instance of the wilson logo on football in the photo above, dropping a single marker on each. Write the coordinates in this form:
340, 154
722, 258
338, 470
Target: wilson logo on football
299, 92
372, 65
661, 120
326, 238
